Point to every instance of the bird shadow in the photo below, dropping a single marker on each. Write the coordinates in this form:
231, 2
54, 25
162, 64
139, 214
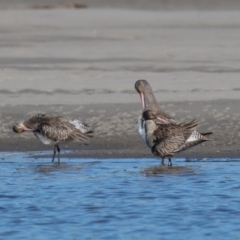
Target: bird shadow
55, 167
164, 169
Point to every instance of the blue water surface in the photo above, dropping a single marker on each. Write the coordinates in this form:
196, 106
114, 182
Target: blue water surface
118, 198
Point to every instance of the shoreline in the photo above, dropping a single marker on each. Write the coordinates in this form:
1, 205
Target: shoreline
115, 133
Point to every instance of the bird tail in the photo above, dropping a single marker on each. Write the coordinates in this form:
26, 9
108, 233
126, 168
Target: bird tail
90, 134
205, 136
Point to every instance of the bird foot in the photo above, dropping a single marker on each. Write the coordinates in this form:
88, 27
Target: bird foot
169, 163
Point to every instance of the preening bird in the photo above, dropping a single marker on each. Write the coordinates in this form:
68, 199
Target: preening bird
167, 139
161, 133
54, 130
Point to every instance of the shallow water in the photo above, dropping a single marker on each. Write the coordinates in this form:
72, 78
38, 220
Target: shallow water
119, 198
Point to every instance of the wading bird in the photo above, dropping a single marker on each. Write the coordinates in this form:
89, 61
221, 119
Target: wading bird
54, 130
159, 121
167, 139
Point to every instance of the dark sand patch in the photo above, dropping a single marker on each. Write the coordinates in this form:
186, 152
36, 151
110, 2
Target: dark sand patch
126, 4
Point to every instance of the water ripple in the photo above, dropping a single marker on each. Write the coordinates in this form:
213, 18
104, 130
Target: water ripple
119, 199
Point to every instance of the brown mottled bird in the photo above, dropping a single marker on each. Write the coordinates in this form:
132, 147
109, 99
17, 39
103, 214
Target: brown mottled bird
161, 121
149, 102
167, 139
51, 129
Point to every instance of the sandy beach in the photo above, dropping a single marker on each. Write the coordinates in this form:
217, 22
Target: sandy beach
84, 64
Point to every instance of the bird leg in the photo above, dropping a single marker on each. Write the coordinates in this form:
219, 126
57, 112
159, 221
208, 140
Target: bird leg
169, 162
162, 162
54, 153
58, 149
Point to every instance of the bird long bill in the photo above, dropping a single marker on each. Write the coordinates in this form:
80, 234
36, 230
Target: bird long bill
142, 101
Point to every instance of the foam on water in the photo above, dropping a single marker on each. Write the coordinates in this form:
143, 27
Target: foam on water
118, 198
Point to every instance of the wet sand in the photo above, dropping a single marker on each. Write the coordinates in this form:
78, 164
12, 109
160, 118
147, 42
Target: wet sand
123, 4
84, 64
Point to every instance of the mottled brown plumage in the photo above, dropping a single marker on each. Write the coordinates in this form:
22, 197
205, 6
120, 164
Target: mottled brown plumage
167, 139
51, 129
169, 136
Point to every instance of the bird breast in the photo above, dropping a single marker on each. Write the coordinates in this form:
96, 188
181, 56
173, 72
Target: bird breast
43, 139
141, 128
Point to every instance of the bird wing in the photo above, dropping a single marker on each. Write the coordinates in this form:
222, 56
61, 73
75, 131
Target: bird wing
84, 128
166, 116
168, 139
161, 119
188, 128
60, 131
195, 137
